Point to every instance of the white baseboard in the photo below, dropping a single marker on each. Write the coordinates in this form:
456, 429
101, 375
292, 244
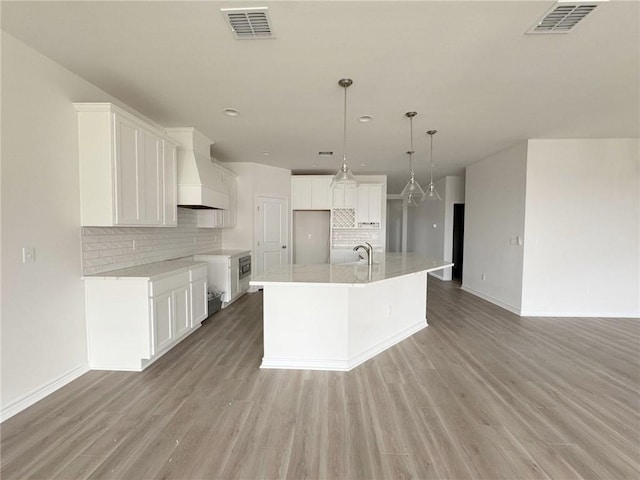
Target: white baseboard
41, 392
490, 299
305, 364
342, 365
583, 314
382, 346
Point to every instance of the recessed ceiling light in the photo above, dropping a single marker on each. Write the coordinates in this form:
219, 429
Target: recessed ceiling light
365, 118
363, 164
231, 112
314, 164
266, 154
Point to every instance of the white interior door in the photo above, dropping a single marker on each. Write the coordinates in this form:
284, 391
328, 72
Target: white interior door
272, 234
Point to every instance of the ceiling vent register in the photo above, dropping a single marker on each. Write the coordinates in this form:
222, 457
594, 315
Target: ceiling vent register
249, 23
563, 17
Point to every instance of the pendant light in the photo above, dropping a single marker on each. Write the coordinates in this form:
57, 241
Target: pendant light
432, 193
412, 190
344, 176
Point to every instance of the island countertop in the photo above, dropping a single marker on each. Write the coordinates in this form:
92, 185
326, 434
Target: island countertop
384, 266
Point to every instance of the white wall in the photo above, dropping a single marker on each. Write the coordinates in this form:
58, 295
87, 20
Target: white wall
430, 223
422, 236
494, 218
453, 193
394, 225
582, 253
43, 326
253, 180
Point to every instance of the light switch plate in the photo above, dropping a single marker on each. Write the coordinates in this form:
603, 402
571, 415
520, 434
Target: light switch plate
28, 254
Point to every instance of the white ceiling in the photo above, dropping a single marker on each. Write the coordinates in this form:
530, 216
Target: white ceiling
467, 68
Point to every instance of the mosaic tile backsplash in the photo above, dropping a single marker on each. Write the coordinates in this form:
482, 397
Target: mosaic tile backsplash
351, 237
111, 248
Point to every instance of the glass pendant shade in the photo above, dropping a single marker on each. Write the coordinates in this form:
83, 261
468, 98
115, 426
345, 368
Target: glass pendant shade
344, 176
412, 189
432, 193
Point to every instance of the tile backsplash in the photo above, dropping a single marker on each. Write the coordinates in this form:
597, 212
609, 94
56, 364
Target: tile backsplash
355, 236
112, 248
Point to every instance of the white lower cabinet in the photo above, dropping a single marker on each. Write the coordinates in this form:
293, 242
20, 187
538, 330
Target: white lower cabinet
132, 321
198, 300
182, 310
162, 319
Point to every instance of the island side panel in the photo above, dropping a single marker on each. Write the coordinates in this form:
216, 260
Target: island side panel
305, 327
384, 313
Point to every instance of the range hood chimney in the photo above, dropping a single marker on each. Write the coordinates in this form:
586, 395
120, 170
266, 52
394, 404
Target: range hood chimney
200, 183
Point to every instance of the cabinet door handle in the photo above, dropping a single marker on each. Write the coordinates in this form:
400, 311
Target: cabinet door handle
284, 246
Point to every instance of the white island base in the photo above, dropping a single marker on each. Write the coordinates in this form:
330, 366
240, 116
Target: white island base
340, 322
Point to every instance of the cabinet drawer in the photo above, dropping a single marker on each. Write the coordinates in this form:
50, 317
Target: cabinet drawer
198, 273
163, 285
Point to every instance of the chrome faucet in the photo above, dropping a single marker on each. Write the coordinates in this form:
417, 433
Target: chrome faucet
369, 249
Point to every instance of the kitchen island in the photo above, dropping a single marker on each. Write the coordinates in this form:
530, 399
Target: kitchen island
335, 317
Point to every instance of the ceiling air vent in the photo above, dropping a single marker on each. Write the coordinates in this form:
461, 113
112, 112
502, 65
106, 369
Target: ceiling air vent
563, 17
249, 23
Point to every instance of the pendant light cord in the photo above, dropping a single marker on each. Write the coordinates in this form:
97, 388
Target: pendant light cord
431, 158
411, 152
431, 134
344, 138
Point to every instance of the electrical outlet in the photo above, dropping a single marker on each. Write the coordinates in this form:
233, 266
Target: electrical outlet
133, 244
484, 277
388, 310
28, 254
195, 240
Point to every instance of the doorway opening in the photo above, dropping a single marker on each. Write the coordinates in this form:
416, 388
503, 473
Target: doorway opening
458, 241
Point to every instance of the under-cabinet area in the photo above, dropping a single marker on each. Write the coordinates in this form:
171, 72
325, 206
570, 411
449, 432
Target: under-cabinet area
135, 315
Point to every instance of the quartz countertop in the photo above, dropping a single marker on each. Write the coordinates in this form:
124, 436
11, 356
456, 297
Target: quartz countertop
385, 266
224, 253
149, 271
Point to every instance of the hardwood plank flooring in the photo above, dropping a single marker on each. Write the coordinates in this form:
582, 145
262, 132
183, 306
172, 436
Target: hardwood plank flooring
481, 393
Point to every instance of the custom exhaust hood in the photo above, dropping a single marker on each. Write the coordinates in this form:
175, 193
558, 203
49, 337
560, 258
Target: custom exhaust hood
200, 184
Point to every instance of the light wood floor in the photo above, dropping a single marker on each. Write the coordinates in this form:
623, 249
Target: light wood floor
481, 393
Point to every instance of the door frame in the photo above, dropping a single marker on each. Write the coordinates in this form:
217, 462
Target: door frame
257, 225
405, 219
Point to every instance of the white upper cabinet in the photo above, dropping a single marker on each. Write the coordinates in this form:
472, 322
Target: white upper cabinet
169, 183
369, 209
311, 192
152, 171
229, 215
127, 169
345, 196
